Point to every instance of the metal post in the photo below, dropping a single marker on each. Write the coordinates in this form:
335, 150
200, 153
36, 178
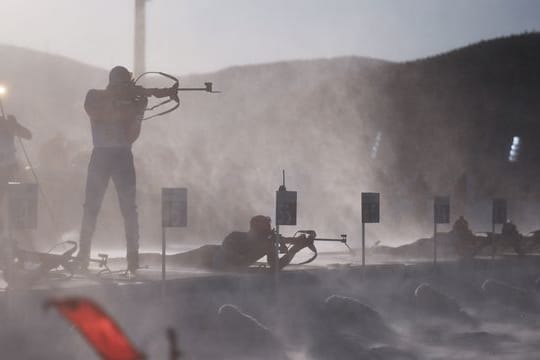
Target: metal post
2, 108
6, 211
434, 243
8, 273
276, 240
363, 244
140, 37
493, 244
10, 248
276, 252
163, 258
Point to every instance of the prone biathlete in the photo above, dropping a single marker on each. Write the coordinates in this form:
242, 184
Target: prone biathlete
239, 250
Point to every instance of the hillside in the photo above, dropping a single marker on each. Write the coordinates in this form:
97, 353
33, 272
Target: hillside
439, 118
466, 105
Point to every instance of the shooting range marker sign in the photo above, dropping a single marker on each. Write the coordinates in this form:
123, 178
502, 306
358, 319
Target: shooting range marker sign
174, 207
441, 210
23, 205
286, 207
499, 215
370, 207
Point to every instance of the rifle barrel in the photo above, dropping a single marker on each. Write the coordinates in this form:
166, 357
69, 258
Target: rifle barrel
334, 240
192, 89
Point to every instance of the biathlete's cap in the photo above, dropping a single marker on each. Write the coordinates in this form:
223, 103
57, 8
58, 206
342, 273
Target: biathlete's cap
260, 222
119, 74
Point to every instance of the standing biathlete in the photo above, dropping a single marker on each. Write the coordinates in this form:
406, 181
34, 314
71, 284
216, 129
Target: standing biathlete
9, 129
115, 115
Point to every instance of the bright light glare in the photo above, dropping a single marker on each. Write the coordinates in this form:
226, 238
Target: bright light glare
3, 90
514, 149
375, 147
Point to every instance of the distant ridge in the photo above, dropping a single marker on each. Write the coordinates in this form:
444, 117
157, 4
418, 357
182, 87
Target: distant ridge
525, 39
473, 100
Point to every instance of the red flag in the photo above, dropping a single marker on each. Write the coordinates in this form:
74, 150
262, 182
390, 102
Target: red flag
99, 329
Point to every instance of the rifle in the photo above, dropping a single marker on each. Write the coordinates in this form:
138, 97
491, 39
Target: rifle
41, 263
285, 243
171, 92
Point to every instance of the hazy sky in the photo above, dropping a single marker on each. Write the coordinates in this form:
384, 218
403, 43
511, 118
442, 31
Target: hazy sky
203, 35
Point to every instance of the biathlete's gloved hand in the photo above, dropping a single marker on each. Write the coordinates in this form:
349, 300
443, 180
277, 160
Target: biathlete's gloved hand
173, 92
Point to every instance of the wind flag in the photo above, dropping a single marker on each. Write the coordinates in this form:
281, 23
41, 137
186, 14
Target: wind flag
99, 329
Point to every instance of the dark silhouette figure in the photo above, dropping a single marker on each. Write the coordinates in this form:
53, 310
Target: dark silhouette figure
461, 227
9, 129
239, 250
512, 237
466, 243
115, 115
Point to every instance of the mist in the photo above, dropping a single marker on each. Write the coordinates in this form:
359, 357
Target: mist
228, 149
338, 126
318, 120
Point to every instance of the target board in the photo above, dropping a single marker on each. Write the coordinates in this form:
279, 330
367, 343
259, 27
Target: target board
174, 207
286, 205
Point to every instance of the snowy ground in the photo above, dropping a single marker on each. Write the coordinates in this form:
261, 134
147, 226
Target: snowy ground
342, 312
